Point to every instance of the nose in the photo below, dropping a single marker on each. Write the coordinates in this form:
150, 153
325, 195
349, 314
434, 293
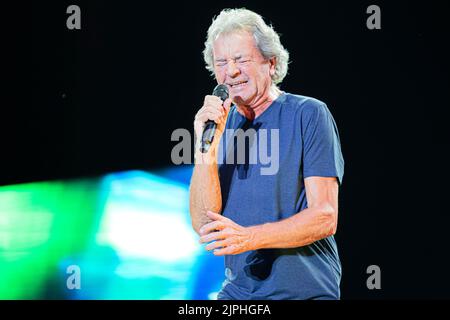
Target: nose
232, 69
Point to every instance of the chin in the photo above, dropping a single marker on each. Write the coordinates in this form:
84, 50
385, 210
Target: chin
241, 98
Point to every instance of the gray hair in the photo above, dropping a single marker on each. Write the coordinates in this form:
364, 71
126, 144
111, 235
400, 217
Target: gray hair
266, 39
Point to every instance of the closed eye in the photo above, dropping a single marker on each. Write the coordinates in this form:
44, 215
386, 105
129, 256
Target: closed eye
220, 62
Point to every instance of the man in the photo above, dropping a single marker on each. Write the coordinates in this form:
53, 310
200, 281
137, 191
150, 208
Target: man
275, 231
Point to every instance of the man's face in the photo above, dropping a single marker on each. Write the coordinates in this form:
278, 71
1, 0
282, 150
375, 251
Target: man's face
239, 64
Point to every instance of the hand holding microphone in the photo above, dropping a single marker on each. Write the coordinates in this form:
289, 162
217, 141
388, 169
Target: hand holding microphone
210, 120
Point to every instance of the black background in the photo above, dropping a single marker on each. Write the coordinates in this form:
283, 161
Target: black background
107, 98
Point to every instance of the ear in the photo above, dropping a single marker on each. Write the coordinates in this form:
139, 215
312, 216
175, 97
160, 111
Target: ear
272, 64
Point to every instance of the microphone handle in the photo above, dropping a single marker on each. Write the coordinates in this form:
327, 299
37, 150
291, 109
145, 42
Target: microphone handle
208, 135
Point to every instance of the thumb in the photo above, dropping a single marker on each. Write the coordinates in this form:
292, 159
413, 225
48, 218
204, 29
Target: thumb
227, 104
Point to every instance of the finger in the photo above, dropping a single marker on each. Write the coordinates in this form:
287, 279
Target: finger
224, 117
216, 216
207, 228
227, 104
212, 99
216, 245
215, 109
211, 237
206, 115
211, 115
204, 111
225, 251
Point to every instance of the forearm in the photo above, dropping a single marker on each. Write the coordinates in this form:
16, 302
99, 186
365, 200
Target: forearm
301, 229
205, 192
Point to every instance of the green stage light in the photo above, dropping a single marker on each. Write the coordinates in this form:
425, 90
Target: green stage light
40, 224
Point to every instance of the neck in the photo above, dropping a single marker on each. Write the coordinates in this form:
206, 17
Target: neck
253, 111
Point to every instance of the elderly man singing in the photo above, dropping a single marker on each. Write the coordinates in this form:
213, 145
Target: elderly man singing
275, 230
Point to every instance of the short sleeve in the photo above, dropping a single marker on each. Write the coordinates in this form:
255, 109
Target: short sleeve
322, 155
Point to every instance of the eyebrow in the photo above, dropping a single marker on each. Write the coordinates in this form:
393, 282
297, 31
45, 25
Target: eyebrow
236, 57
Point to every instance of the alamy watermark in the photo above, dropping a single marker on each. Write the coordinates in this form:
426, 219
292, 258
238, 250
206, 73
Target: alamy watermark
374, 280
74, 20
242, 147
374, 20
73, 281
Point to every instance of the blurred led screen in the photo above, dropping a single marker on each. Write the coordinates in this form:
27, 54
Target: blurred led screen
125, 235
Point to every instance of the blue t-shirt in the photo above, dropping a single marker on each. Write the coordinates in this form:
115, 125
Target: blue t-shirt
256, 191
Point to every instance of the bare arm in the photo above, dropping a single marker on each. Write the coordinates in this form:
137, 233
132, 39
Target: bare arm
316, 222
204, 191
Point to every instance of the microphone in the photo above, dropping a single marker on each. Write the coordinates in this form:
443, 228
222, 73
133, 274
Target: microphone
220, 91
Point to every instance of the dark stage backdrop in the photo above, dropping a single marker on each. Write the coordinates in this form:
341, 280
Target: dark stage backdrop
107, 98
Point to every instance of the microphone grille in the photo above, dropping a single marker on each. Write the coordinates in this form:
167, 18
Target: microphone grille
221, 91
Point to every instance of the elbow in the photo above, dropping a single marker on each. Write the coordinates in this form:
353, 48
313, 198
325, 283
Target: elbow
196, 229
196, 225
198, 220
329, 220
332, 230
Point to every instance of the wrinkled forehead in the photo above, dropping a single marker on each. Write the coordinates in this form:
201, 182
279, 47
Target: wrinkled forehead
237, 42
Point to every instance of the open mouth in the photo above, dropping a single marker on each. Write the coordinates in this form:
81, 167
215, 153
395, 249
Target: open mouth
238, 84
